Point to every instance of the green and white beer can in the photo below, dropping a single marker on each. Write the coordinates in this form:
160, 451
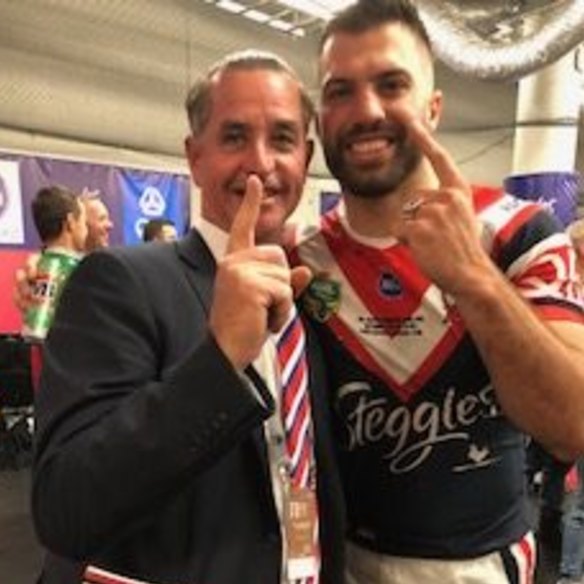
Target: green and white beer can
53, 269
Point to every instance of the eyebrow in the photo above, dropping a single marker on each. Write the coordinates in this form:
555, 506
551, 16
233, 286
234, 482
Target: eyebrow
288, 125
386, 72
233, 125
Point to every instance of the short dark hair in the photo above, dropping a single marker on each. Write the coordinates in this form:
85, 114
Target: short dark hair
50, 209
198, 103
154, 227
367, 14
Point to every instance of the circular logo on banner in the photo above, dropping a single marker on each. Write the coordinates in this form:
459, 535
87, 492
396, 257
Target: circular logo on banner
152, 202
3, 196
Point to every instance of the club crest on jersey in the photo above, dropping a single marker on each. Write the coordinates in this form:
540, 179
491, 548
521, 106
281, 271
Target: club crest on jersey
322, 298
389, 285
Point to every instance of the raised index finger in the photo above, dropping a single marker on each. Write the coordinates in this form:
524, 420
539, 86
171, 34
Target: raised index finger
440, 159
242, 233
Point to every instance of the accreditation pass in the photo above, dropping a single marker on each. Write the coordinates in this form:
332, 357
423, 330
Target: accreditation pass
301, 530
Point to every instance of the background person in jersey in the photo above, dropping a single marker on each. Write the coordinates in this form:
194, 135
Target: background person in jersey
571, 565
158, 450
99, 226
61, 223
60, 219
451, 320
546, 478
159, 230
576, 232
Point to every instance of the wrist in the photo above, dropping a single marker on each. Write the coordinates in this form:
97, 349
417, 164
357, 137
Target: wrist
231, 351
482, 286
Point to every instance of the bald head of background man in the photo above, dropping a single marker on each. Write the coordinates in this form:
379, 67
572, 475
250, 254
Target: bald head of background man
99, 222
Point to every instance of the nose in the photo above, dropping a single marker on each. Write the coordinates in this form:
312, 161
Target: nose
368, 106
260, 159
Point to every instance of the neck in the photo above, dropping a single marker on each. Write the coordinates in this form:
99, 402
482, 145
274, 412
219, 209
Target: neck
380, 217
64, 241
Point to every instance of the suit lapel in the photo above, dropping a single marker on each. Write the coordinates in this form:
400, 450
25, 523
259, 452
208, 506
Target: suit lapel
199, 268
317, 385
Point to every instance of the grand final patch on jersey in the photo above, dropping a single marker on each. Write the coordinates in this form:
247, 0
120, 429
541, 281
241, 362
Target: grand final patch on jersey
322, 298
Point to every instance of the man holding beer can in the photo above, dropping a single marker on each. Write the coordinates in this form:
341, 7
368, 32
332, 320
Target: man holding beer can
60, 220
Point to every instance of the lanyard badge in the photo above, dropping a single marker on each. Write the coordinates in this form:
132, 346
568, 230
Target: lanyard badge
301, 530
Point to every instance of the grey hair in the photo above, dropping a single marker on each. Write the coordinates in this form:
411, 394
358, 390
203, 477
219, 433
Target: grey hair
88, 195
198, 103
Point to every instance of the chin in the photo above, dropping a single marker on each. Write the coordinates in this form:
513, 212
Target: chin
270, 229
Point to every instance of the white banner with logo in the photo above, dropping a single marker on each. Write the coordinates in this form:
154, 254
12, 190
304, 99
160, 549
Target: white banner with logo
11, 223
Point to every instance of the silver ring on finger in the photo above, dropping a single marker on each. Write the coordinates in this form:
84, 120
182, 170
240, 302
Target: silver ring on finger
411, 208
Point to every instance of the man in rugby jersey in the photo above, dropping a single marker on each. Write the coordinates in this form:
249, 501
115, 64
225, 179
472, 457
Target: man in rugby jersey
99, 226
451, 318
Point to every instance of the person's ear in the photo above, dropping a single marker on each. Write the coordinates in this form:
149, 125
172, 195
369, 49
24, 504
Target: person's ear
70, 222
193, 153
435, 109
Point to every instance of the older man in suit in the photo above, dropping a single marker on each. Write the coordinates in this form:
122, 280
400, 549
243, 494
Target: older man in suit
159, 448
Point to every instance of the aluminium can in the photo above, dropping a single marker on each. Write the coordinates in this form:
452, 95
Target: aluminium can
53, 270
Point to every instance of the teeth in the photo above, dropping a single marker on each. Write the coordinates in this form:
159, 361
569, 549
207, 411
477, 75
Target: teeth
368, 146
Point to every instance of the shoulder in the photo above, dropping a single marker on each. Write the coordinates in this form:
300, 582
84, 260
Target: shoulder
313, 242
511, 226
147, 256
144, 254
139, 266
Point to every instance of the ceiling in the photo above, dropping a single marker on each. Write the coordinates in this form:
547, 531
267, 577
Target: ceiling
116, 72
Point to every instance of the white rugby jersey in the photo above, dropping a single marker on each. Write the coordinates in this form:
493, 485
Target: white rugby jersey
431, 467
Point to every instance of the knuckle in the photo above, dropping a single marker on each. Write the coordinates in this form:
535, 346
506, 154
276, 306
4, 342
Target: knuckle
274, 253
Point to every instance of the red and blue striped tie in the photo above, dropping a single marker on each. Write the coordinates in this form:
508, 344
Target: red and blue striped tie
295, 404
295, 409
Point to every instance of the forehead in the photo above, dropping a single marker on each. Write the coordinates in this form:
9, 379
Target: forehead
250, 95
95, 208
388, 46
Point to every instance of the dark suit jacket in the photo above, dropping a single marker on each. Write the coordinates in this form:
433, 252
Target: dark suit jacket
151, 460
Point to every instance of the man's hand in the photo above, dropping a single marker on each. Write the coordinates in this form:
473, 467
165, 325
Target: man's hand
254, 286
23, 283
439, 225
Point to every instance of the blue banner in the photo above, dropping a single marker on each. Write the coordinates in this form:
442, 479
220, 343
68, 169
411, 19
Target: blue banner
557, 191
152, 195
132, 196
